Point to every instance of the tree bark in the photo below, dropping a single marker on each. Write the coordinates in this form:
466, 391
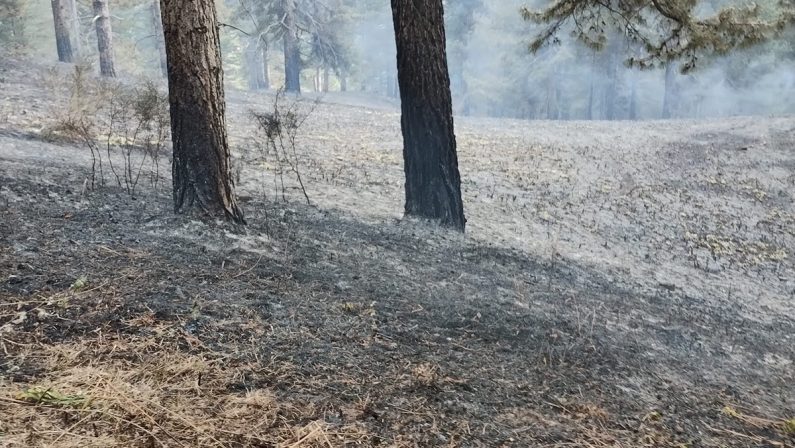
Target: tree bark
292, 59
104, 38
201, 164
326, 79
62, 43
433, 183
157, 31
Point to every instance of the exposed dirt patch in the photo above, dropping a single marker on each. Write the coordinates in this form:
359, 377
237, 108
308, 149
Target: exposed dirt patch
621, 284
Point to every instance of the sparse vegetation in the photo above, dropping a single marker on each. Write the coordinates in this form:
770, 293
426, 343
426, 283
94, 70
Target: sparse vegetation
114, 121
278, 131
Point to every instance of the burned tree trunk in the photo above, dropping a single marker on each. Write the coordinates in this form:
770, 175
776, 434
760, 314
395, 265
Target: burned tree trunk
104, 38
433, 184
62, 43
157, 31
292, 59
201, 167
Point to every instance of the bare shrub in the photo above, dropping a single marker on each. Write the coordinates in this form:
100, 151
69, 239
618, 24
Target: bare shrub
128, 124
277, 140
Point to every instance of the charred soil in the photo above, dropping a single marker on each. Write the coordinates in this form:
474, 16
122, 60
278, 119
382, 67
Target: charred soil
621, 284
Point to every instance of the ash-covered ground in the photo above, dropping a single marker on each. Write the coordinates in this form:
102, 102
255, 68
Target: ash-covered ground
619, 284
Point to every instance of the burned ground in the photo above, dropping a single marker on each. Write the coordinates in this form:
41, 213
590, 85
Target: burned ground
621, 284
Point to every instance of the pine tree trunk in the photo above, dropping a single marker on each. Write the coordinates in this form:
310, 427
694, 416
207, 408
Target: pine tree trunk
201, 171
433, 183
62, 43
266, 70
77, 44
104, 38
292, 59
157, 31
670, 86
254, 66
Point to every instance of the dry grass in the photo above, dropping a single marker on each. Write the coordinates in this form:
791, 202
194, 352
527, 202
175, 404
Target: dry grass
130, 391
165, 389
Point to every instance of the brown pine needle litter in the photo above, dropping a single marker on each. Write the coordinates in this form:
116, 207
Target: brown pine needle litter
146, 392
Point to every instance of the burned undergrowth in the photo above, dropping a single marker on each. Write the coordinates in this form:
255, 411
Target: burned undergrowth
124, 325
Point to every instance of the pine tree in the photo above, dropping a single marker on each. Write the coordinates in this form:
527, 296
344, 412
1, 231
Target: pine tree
664, 29
433, 184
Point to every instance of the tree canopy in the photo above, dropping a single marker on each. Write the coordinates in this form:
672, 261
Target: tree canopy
664, 30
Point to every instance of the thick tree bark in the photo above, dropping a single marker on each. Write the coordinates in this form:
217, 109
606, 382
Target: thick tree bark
157, 31
77, 44
201, 164
104, 38
62, 43
292, 59
433, 184
326, 79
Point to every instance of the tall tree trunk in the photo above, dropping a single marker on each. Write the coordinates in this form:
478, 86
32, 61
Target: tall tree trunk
343, 82
266, 69
254, 66
157, 31
62, 43
292, 59
104, 38
670, 90
433, 183
77, 44
201, 171
326, 78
